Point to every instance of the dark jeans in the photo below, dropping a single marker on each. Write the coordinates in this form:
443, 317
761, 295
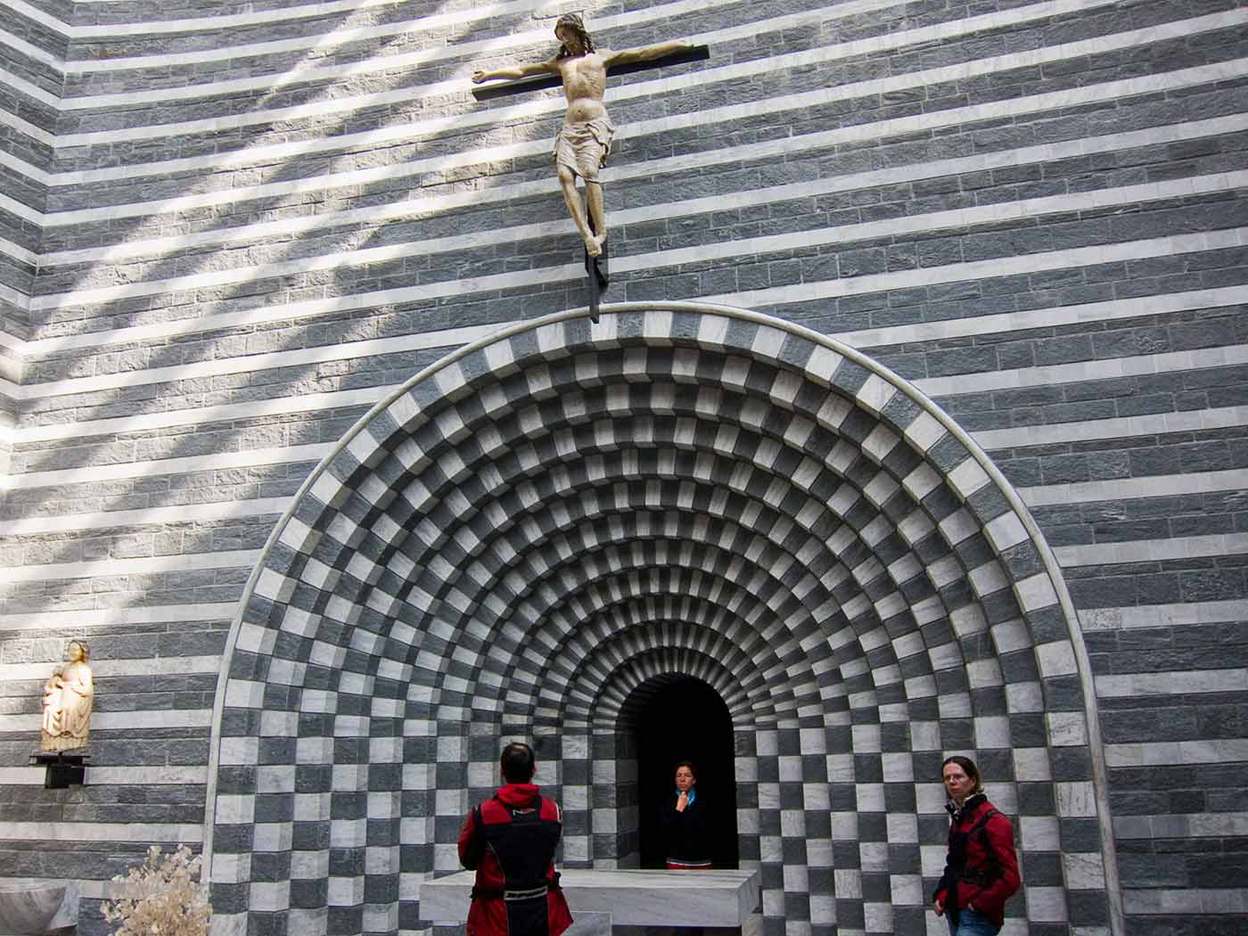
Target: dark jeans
972, 923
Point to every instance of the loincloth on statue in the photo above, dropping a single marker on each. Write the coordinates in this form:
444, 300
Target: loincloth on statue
583, 147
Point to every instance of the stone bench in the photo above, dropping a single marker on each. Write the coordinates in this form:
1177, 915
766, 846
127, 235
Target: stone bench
709, 899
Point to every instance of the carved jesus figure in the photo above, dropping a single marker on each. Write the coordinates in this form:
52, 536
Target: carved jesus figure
584, 141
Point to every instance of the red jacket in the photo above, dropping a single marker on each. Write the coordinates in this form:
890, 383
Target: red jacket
990, 874
488, 915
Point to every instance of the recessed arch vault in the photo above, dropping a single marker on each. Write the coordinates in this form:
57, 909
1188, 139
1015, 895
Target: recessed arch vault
525, 530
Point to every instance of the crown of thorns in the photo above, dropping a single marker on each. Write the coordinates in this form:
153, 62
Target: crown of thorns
574, 21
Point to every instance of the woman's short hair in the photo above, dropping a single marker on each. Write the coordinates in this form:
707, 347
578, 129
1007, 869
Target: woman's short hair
968, 766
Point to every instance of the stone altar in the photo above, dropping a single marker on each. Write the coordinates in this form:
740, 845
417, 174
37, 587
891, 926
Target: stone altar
633, 898
37, 906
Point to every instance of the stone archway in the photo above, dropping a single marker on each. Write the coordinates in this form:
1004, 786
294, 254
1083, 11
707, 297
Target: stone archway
530, 526
672, 713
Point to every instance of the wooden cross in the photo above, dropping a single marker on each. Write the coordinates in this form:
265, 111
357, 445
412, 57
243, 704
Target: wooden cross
561, 71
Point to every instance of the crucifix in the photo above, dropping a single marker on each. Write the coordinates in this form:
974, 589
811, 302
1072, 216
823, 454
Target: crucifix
584, 140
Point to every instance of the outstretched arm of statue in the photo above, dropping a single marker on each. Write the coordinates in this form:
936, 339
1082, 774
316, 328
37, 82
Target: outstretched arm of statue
515, 71
644, 53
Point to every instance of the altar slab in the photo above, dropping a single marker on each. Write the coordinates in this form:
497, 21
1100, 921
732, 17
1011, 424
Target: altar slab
633, 898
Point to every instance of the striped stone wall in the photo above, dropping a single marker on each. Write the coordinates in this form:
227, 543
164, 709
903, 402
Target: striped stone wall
229, 229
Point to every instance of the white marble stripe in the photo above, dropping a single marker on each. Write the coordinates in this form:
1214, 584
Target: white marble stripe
998, 438
12, 343
96, 890
963, 219
1201, 482
1153, 550
505, 44
312, 402
18, 166
450, 338
683, 164
136, 775
139, 565
1185, 901
131, 775
76, 621
245, 364
1104, 490
866, 338
31, 51
1121, 427
1097, 554
1018, 265
1182, 825
1099, 369
1166, 753
140, 832
1112, 489
18, 300
32, 132
1006, 322
135, 720
228, 21
252, 409
113, 667
368, 395
34, 776
406, 60
248, 458
18, 252
33, 13
1183, 614
955, 272
309, 403
1171, 682
119, 720
213, 512
30, 90
412, 208
21, 211
279, 151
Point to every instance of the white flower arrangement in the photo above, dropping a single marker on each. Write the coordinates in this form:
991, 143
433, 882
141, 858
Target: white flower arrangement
161, 896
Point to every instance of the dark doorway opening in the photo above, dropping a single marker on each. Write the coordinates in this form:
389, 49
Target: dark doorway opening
687, 720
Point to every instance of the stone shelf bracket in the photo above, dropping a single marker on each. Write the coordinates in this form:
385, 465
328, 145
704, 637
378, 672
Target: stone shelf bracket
63, 770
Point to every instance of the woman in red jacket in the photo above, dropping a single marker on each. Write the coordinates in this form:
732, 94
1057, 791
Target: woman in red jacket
981, 870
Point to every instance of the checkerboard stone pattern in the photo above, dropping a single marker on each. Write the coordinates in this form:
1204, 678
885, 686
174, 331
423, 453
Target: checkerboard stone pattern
535, 533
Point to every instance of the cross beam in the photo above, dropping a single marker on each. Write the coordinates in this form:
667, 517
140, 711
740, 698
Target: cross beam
523, 85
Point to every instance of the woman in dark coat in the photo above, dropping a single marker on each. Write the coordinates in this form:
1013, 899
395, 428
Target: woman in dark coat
683, 821
981, 870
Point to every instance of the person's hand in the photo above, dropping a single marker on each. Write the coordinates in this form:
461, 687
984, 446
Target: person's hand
940, 907
478, 76
682, 801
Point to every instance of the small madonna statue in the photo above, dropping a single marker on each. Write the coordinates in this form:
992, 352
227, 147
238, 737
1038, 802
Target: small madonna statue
67, 698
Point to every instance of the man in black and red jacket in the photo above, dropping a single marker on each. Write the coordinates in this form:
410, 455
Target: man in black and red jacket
981, 870
510, 841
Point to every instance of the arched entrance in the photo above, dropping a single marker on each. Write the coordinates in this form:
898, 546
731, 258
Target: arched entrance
682, 718
541, 523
